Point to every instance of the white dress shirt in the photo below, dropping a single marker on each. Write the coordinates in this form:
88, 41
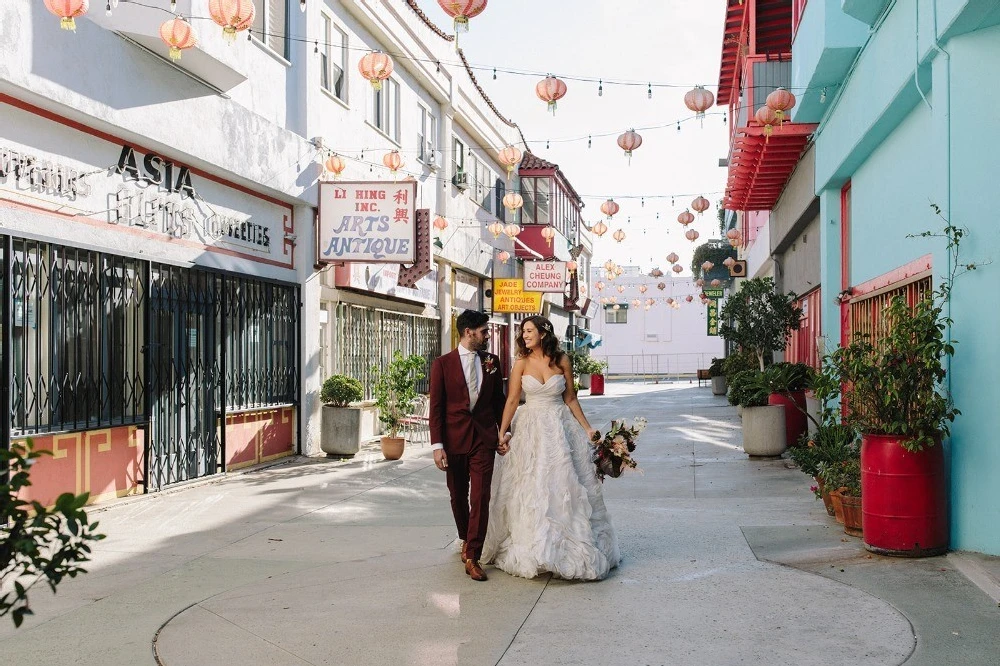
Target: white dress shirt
463, 356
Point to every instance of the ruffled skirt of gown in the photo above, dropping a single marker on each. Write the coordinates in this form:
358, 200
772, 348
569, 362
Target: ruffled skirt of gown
547, 511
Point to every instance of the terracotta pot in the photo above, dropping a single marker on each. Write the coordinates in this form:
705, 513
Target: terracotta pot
838, 506
852, 514
906, 498
825, 495
392, 447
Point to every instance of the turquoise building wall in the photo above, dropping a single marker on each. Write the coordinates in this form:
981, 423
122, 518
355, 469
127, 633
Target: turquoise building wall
913, 123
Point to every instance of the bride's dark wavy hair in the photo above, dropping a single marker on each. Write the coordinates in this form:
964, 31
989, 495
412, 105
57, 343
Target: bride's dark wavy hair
549, 341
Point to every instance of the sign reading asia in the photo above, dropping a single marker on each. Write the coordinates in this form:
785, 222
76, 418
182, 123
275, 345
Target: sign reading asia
509, 296
373, 222
547, 277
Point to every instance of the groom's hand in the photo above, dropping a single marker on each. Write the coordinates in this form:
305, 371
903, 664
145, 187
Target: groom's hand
441, 459
504, 446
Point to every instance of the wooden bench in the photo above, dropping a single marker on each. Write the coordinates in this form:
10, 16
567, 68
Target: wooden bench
704, 375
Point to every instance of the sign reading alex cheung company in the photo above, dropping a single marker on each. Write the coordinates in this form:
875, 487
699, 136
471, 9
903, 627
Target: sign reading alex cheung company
367, 222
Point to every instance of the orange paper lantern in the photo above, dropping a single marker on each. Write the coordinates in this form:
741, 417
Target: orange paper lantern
376, 67
550, 90
233, 15
67, 11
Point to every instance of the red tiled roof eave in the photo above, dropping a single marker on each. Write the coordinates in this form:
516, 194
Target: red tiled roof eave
759, 166
412, 4
772, 31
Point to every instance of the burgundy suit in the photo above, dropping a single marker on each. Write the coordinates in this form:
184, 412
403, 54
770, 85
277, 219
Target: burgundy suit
470, 438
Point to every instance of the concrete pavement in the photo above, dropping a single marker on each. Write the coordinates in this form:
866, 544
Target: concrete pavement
726, 561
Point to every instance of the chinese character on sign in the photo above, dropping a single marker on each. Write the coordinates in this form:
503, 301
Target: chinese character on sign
402, 215
400, 196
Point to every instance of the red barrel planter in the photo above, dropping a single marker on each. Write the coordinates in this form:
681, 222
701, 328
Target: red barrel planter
597, 385
904, 498
795, 414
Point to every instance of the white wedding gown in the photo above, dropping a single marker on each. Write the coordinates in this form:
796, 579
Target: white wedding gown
547, 510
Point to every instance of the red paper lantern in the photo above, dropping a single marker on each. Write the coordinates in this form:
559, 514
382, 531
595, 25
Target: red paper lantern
672, 257
67, 11
685, 218
715, 283
700, 205
707, 266
642, 288
600, 229
661, 285
376, 67
550, 90
629, 141
767, 117
509, 157
677, 268
782, 102
503, 256
233, 15
462, 11
393, 161
699, 282
609, 208
178, 35
691, 235
689, 298
699, 100
440, 223
619, 235
335, 164
733, 234
729, 262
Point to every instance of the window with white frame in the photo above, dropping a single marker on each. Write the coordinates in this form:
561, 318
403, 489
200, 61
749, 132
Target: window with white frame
619, 316
270, 23
484, 185
385, 109
427, 137
333, 60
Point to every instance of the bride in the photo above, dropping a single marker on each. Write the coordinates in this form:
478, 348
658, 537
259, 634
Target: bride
547, 513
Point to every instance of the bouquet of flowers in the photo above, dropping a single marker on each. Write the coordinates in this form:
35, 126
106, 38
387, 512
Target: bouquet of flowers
613, 451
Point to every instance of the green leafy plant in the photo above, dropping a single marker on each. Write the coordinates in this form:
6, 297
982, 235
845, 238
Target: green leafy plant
584, 364
737, 362
395, 390
37, 543
746, 389
341, 390
844, 475
787, 377
758, 320
715, 369
714, 251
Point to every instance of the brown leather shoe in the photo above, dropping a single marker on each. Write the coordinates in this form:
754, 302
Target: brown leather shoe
462, 554
475, 570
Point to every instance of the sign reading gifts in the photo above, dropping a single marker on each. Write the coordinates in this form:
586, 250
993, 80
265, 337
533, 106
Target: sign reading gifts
509, 296
367, 222
547, 277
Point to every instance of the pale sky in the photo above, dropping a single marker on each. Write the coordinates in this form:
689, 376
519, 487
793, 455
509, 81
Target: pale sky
676, 42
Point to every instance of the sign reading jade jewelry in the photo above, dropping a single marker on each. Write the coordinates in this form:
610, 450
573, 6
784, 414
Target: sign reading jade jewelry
509, 296
548, 277
131, 198
367, 222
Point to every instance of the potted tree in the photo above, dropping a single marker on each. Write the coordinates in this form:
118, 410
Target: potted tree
846, 476
758, 320
895, 397
786, 384
341, 423
581, 368
718, 376
395, 391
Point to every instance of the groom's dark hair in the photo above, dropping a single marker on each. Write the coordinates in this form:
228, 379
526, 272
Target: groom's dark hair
470, 319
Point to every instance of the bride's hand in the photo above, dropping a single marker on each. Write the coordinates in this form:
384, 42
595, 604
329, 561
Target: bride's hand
593, 435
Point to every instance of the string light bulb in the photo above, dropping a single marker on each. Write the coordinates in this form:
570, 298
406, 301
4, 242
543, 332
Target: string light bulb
173, 5
600, 88
822, 96
302, 5
649, 91
107, 10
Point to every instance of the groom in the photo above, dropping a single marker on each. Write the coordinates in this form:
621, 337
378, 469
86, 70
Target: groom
467, 402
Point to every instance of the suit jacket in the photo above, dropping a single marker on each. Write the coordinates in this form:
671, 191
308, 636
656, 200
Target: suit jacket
451, 420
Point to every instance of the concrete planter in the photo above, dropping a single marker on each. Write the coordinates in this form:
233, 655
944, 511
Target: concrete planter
764, 431
584, 381
341, 432
719, 386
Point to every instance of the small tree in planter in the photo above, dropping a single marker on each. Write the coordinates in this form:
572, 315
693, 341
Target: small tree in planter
758, 319
763, 424
597, 368
786, 385
395, 391
341, 425
718, 375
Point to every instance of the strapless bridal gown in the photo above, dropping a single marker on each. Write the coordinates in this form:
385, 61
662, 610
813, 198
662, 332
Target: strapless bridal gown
547, 510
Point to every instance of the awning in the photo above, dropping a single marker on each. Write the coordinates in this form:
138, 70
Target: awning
773, 34
759, 166
585, 338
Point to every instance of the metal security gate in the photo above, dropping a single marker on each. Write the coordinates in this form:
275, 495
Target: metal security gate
184, 373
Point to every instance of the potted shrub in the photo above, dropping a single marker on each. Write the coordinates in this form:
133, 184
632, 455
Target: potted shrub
597, 371
395, 391
786, 385
715, 371
763, 424
846, 476
341, 423
758, 320
895, 397
581, 368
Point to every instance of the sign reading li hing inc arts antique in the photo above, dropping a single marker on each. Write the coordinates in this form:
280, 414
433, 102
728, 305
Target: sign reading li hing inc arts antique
371, 222
509, 296
547, 277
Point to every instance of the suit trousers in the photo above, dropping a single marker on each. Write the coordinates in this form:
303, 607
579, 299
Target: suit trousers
470, 478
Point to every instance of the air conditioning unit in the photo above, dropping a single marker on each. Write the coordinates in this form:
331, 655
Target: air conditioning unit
739, 269
461, 180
